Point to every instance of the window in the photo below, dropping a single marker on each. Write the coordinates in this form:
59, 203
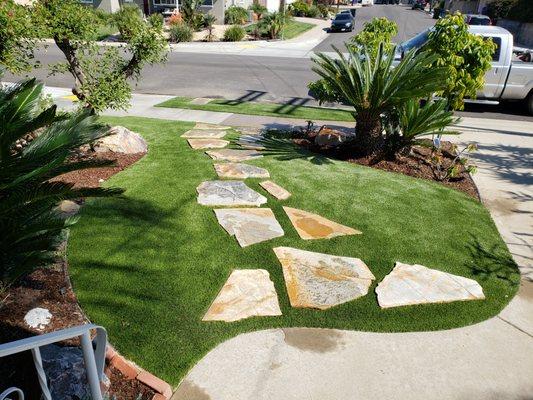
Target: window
207, 3
498, 42
165, 3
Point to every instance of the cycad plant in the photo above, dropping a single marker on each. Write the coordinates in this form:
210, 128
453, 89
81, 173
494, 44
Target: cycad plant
30, 224
374, 87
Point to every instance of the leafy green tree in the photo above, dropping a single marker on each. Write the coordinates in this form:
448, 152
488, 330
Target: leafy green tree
379, 30
466, 57
29, 191
372, 86
16, 40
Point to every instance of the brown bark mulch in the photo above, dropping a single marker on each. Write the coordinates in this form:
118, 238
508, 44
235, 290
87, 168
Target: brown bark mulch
50, 288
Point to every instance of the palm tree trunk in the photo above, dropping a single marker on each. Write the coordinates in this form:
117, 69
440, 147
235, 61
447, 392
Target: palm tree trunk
368, 135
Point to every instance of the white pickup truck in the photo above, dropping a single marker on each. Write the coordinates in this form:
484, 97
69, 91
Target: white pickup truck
510, 78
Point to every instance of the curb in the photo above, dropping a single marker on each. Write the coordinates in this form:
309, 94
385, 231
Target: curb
132, 371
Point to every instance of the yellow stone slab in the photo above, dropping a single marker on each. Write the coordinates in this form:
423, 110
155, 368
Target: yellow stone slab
312, 226
275, 190
207, 143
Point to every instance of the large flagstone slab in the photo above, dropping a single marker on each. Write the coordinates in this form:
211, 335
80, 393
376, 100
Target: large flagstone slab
275, 190
233, 155
415, 284
246, 293
197, 144
203, 125
249, 225
316, 280
312, 226
204, 134
229, 194
240, 171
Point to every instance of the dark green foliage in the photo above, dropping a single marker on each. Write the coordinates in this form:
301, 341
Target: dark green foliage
29, 222
180, 33
189, 11
258, 9
127, 19
235, 15
234, 33
521, 11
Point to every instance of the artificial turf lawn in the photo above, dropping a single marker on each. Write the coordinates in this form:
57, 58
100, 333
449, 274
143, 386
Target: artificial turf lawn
291, 30
267, 109
148, 266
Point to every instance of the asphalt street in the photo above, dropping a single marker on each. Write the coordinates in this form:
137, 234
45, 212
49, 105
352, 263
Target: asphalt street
261, 78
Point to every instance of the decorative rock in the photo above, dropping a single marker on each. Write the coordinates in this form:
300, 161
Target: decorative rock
68, 208
240, 171
204, 134
415, 284
228, 193
207, 143
233, 155
275, 190
38, 318
312, 226
66, 373
328, 137
316, 280
200, 101
250, 225
246, 293
121, 140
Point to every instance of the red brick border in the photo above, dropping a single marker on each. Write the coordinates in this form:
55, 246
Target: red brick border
132, 371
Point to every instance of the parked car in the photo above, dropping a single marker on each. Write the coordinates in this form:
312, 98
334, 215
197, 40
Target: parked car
511, 75
477, 19
351, 11
418, 5
367, 2
342, 22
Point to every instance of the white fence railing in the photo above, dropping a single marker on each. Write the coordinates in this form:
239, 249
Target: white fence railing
94, 358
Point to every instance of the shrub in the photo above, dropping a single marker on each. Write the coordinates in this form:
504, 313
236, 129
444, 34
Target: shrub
180, 33
235, 15
258, 9
175, 19
157, 21
522, 11
189, 12
274, 23
313, 12
467, 57
499, 9
325, 10
209, 21
29, 195
127, 19
379, 30
234, 33
299, 8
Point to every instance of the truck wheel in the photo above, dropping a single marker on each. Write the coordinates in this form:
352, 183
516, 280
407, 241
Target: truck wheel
529, 103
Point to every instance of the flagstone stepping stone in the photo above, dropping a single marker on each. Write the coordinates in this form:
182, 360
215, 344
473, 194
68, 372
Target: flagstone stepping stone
233, 155
249, 225
316, 280
229, 194
312, 226
202, 125
204, 134
246, 293
275, 190
415, 284
207, 143
240, 171
200, 101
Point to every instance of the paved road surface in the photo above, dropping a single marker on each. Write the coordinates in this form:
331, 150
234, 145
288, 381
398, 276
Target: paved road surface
261, 78
409, 24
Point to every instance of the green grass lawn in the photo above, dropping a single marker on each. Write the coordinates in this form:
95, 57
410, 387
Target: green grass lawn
147, 266
290, 31
267, 109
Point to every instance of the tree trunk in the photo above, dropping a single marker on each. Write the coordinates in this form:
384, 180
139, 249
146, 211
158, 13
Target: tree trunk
369, 139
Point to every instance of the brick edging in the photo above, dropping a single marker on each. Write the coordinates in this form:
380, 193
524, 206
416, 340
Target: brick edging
132, 371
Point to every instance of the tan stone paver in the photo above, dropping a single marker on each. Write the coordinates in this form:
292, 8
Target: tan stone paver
240, 171
275, 190
228, 194
204, 134
198, 144
233, 155
312, 226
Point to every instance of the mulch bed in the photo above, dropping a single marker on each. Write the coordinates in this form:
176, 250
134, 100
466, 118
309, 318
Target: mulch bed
414, 164
50, 288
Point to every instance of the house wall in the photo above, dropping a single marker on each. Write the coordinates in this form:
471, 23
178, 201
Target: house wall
466, 6
522, 31
217, 9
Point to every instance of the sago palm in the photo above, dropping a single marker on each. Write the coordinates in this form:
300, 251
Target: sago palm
374, 86
30, 225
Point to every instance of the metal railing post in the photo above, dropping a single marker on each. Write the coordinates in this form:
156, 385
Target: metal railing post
90, 366
41, 375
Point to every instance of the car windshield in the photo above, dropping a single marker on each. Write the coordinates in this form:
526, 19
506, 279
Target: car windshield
479, 21
343, 17
416, 42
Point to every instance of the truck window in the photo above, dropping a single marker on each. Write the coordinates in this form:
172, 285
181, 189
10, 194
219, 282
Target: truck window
498, 42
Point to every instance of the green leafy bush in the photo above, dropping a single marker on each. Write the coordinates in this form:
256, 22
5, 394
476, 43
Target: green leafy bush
521, 11
127, 19
467, 57
313, 12
157, 21
235, 15
273, 24
325, 10
180, 33
499, 9
234, 33
30, 224
379, 30
258, 9
299, 8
